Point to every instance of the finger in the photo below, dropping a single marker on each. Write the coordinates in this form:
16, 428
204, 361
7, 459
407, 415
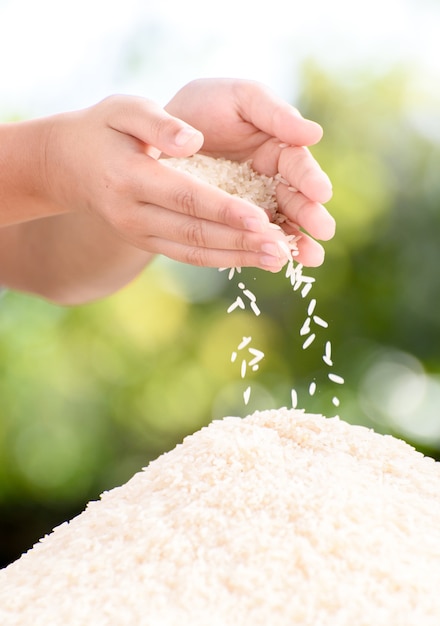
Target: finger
303, 172
148, 122
274, 116
154, 221
164, 186
213, 257
310, 216
310, 252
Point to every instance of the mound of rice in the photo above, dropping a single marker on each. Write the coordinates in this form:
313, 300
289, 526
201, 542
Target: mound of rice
277, 519
238, 179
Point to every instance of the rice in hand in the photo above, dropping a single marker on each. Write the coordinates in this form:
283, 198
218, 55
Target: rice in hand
280, 518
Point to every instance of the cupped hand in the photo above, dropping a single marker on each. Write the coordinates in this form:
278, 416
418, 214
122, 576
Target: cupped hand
243, 120
104, 160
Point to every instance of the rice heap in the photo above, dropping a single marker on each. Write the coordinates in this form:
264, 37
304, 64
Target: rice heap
234, 177
239, 179
279, 518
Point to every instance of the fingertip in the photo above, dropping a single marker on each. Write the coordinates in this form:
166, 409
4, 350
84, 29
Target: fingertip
318, 187
311, 253
316, 132
186, 141
328, 228
316, 259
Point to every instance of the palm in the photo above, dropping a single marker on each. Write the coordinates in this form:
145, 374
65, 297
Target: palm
243, 120
221, 115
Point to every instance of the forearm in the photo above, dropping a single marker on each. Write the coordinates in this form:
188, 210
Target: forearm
69, 259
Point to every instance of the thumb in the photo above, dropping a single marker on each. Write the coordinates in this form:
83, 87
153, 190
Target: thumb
148, 122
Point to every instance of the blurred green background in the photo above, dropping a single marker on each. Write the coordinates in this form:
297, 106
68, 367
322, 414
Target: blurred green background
90, 394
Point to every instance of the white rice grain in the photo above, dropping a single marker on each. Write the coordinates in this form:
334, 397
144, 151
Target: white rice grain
306, 290
318, 320
327, 358
311, 307
335, 378
310, 339
294, 398
251, 296
244, 342
243, 368
255, 308
305, 328
238, 303
257, 354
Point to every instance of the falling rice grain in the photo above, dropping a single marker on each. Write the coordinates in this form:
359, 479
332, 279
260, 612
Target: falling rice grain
255, 308
306, 290
251, 296
310, 339
312, 388
336, 379
233, 357
335, 401
246, 395
318, 320
244, 342
238, 303
243, 368
294, 397
327, 358
258, 355
305, 328
311, 307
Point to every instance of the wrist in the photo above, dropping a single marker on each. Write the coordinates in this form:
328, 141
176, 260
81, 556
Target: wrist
24, 189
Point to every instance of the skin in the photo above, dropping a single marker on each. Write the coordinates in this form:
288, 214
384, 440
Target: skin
85, 202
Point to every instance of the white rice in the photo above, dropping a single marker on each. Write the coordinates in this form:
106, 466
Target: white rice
305, 328
311, 307
280, 518
318, 320
237, 179
243, 368
244, 342
310, 339
335, 378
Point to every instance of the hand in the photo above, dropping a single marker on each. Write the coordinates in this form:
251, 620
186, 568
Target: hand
103, 160
243, 120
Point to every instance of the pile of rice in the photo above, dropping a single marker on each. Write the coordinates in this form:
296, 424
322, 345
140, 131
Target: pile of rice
238, 179
280, 518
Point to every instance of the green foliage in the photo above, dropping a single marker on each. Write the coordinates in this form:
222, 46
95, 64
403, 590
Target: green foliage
91, 394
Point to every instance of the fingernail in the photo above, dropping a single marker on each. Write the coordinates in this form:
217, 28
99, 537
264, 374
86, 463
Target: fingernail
185, 135
271, 249
270, 262
253, 224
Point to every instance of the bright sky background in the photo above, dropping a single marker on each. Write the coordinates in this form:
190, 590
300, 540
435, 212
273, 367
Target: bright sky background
57, 55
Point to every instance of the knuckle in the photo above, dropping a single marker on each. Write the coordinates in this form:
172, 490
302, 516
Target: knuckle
193, 233
163, 126
242, 242
186, 201
226, 212
121, 221
196, 256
